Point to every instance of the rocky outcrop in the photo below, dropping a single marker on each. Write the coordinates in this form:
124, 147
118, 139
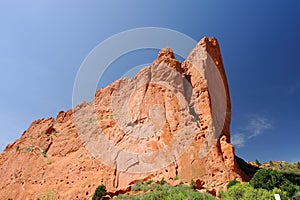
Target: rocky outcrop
171, 120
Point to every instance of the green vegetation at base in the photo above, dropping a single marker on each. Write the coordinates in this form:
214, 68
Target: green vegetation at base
244, 191
264, 184
99, 192
269, 179
232, 183
162, 190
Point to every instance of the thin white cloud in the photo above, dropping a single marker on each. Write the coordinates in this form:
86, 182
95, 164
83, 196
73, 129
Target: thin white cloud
255, 127
238, 140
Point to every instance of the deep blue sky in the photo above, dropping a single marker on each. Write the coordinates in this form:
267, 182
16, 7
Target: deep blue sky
43, 43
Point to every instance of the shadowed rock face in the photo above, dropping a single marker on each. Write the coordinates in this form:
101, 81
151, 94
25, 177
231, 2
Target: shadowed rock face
171, 120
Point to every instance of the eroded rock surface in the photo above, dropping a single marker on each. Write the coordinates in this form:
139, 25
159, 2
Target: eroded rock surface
171, 120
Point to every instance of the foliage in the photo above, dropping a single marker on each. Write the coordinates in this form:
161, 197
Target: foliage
257, 162
267, 179
55, 132
193, 184
162, 181
294, 178
163, 191
44, 154
264, 184
288, 187
176, 178
99, 192
149, 181
18, 148
244, 191
287, 168
296, 195
232, 183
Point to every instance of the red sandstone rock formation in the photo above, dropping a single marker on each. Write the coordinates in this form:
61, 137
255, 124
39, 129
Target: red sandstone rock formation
171, 120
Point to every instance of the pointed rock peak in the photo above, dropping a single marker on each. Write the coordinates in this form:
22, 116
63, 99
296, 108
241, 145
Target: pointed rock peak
209, 41
165, 53
211, 45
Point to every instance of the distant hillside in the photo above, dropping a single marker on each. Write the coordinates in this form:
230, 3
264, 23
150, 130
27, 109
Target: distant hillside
282, 166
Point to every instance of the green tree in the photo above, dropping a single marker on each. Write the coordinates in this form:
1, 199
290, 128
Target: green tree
289, 188
270, 179
99, 192
257, 162
267, 179
232, 183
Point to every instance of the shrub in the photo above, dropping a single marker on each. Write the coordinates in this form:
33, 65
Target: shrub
232, 183
44, 154
289, 188
28, 148
176, 178
157, 191
271, 179
267, 179
149, 181
244, 191
162, 181
296, 196
55, 132
257, 162
99, 192
193, 184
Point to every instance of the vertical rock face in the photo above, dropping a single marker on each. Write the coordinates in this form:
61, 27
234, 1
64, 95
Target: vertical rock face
171, 120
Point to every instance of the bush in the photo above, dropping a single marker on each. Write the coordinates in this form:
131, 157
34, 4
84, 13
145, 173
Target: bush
162, 181
176, 178
267, 179
44, 154
232, 183
99, 192
244, 191
293, 178
289, 188
296, 196
193, 184
159, 191
257, 162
